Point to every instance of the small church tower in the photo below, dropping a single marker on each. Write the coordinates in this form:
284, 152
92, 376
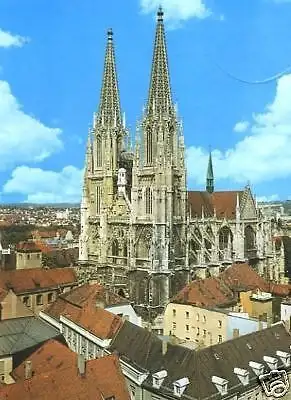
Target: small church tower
210, 176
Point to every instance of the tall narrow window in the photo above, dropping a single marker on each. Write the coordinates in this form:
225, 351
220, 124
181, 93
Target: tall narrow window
98, 199
115, 250
149, 201
149, 147
98, 151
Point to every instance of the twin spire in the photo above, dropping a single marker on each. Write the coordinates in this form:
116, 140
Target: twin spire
159, 98
109, 113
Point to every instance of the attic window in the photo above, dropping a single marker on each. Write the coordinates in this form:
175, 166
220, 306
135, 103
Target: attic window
285, 357
221, 384
216, 356
249, 346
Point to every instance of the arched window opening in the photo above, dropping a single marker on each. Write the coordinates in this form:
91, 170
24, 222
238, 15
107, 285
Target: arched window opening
225, 240
250, 240
149, 201
98, 151
125, 250
115, 250
149, 147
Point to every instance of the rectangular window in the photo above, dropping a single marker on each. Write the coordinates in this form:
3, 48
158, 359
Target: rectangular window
187, 328
197, 331
26, 301
204, 332
219, 324
39, 301
219, 339
174, 325
50, 297
174, 313
187, 314
204, 319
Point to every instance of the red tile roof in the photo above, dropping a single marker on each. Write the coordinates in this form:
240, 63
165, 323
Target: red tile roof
34, 279
223, 202
95, 320
53, 379
27, 247
81, 296
222, 291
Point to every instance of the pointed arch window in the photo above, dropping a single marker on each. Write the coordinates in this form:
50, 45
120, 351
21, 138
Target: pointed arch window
149, 201
115, 250
98, 199
98, 151
149, 147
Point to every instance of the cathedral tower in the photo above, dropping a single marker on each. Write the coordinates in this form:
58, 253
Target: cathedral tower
106, 141
210, 176
158, 184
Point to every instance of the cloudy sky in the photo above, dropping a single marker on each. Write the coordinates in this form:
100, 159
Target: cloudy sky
51, 61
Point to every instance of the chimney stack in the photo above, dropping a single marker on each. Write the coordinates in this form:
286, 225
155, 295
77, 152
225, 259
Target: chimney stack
235, 333
27, 370
81, 364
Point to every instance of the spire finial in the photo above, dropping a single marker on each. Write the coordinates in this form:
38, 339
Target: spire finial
160, 13
110, 34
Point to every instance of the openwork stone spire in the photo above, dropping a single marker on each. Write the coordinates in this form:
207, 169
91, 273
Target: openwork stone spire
160, 98
109, 113
210, 176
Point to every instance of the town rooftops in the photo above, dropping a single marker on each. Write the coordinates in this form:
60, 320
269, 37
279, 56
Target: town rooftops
222, 291
18, 334
35, 279
227, 368
81, 297
27, 247
54, 371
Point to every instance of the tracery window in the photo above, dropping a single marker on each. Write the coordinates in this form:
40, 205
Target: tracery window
115, 250
149, 201
149, 147
98, 151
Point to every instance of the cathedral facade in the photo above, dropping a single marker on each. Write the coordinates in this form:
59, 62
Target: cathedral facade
142, 233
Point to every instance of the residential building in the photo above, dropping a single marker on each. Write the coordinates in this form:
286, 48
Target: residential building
28, 255
54, 371
140, 229
38, 287
12, 306
89, 295
19, 337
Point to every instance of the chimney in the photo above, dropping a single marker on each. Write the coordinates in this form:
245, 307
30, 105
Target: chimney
235, 333
164, 346
81, 364
27, 370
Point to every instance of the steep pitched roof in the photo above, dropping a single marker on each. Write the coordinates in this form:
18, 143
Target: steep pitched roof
82, 296
95, 320
103, 379
18, 334
143, 350
27, 280
223, 202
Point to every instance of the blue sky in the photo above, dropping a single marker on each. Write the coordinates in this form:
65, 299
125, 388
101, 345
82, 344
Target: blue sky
51, 61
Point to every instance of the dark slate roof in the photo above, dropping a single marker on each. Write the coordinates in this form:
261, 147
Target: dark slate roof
144, 349
18, 334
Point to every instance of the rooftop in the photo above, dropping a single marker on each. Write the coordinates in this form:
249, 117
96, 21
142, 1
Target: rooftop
55, 375
18, 334
34, 279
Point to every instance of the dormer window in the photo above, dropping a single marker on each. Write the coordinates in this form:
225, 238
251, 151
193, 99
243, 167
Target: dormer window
271, 361
158, 378
180, 386
243, 375
257, 367
221, 384
285, 358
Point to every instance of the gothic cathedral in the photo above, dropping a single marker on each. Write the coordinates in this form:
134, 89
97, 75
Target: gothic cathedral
142, 233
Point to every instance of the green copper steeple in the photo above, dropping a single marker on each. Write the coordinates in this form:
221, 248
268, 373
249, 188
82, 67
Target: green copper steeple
210, 176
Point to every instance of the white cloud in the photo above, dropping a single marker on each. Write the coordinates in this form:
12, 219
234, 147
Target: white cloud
7, 39
23, 138
40, 186
177, 10
241, 126
262, 155
267, 199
